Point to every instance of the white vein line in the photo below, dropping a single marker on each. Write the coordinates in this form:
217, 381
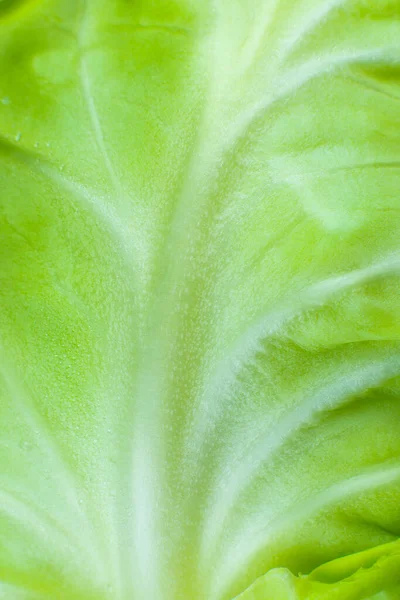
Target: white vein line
265, 445
211, 405
64, 476
40, 164
291, 41
91, 105
114, 543
303, 176
38, 520
100, 204
248, 543
281, 575
145, 521
300, 31
293, 80
264, 21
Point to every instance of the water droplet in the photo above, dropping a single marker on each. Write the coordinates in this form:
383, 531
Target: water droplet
36, 144
6, 101
18, 136
48, 144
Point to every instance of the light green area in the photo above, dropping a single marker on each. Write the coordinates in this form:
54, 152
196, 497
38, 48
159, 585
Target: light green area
348, 578
199, 299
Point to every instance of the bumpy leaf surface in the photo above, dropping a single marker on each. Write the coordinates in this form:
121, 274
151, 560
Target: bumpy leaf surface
199, 299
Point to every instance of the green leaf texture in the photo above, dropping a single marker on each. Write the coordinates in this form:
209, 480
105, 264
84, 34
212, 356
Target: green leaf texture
199, 299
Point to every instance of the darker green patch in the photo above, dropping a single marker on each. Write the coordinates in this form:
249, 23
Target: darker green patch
384, 73
378, 11
8, 6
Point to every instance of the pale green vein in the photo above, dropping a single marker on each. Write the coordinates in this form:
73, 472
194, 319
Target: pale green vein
264, 22
28, 515
45, 441
91, 105
340, 391
250, 541
294, 80
132, 242
394, 164
98, 203
302, 30
217, 391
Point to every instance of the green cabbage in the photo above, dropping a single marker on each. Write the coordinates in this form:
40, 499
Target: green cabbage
199, 299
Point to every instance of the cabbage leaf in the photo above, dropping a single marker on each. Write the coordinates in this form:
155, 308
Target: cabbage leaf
199, 299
